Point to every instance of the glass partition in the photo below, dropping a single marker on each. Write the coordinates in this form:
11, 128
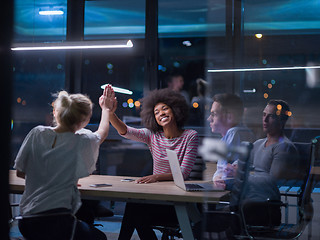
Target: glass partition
36, 74
186, 34
282, 35
194, 37
123, 68
36, 77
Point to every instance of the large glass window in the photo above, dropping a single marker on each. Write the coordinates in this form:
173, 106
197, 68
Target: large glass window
36, 21
186, 32
114, 19
194, 37
123, 68
254, 38
281, 34
36, 74
36, 77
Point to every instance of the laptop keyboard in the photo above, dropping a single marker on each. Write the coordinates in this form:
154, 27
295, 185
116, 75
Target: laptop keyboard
193, 186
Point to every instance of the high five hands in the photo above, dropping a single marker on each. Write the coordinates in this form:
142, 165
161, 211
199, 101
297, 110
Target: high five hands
108, 99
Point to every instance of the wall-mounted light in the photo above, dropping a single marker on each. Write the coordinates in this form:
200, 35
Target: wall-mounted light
72, 45
119, 90
261, 69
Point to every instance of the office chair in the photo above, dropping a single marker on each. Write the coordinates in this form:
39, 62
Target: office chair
287, 230
243, 227
291, 187
51, 233
226, 218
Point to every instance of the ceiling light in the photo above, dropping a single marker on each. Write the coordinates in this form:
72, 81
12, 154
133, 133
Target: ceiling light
261, 69
51, 12
253, 90
187, 43
72, 45
119, 90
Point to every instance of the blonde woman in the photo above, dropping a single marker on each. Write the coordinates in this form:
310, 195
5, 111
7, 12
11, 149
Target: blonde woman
52, 159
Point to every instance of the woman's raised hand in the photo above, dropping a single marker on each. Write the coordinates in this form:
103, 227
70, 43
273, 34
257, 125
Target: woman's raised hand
108, 99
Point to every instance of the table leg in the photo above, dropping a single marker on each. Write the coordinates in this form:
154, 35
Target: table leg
184, 222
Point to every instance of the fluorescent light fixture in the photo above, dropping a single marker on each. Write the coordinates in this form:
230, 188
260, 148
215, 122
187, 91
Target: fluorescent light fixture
50, 12
261, 69
119, 90
72, 45
253, 90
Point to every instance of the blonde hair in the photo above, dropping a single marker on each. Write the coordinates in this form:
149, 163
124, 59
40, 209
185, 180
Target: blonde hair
71, 109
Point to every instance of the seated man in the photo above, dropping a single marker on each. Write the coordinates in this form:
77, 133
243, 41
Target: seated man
272, 158
226, 119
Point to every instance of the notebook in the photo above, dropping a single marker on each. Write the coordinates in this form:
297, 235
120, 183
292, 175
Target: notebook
178, 177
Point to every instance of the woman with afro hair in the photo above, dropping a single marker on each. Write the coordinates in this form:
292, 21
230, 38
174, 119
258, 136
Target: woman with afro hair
164, 113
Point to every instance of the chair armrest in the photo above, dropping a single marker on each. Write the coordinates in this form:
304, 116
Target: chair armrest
277, 203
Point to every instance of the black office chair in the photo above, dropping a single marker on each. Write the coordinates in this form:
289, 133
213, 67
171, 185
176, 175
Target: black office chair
291, 187
51, 233
226, 218
305, 209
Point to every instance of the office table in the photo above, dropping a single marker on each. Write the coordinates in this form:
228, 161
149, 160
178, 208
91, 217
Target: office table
315, 170
158, 193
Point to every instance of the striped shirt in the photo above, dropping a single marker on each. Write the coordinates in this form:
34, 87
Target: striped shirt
186, 147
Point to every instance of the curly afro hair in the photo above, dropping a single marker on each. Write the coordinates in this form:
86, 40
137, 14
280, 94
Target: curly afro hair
169, 97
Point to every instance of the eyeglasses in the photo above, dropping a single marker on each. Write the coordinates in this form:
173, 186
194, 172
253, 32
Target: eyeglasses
214, 114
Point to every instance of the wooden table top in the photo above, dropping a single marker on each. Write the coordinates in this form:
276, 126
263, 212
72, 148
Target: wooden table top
315, 170
161, 191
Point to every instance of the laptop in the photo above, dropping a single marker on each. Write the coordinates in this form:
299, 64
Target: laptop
178, 177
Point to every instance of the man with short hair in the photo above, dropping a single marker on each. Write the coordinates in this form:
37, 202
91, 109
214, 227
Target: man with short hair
274, 157
226, 119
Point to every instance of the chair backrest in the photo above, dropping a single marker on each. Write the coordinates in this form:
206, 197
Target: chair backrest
304, 150
304, 163
305, 206
64, 220
305, 202
241, 177
197, 169
289, 231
